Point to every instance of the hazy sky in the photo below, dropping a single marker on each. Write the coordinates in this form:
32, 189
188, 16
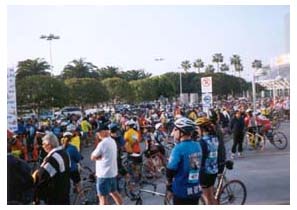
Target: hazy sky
131, 37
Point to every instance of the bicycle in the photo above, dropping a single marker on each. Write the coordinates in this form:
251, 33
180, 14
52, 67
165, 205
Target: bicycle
136, 178
232, 192
88, 194
139, 200
258, 140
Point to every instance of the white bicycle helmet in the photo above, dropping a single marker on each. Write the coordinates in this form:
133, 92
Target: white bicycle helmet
184, 124
130, 122
158, 125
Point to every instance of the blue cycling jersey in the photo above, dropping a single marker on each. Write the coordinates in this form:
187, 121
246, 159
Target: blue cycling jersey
186, 158
209, 146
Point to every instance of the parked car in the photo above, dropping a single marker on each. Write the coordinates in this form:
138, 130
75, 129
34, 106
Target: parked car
47, 114
71, 110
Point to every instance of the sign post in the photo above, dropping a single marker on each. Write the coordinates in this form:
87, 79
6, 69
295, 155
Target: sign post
206, 89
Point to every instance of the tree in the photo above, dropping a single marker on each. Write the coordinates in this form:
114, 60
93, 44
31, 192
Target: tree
118, 89
186, 65
83, 91
31, 67
79, 69
236, 62
198, 64
144, 90
218, 58
239, 68
134, 75
41, 92
108, 72
257, 64
224, 67
209, 69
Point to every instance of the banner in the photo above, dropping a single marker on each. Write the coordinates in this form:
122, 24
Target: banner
12, 124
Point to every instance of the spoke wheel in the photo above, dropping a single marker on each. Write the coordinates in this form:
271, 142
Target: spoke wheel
279, 140
233, 193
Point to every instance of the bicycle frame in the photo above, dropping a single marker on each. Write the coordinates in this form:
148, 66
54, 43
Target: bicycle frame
258, 136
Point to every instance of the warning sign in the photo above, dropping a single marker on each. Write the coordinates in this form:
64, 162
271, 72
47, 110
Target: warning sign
206, 85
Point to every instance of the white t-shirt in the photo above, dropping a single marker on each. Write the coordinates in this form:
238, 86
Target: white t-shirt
107, 166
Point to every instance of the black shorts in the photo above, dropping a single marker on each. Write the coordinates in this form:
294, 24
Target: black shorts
207, 180
75, 177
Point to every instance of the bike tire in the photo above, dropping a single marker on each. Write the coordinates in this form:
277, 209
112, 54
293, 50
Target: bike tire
279, 140
86, 196
139, 201
230, 196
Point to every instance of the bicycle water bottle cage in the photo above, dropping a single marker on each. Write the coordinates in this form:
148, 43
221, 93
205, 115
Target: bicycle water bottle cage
229, 164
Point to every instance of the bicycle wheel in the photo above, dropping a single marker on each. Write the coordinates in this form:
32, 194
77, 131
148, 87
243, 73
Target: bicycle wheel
279, 140
233, 193
86, 196
131, 189
139, 201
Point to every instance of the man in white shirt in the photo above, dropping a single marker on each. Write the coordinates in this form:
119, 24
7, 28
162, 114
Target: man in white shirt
105, 156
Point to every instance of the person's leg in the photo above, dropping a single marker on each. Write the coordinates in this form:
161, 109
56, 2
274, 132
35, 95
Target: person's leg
235, 142
114, 193
103, 190
240, 142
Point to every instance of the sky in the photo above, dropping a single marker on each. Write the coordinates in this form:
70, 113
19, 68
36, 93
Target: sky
131, 37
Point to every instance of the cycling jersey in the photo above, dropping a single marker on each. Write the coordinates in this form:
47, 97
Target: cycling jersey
185, 159
85, 126
132, 137
75, 141
209, 145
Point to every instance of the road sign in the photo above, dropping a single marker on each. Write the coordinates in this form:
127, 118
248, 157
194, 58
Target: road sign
206, 84
207, 99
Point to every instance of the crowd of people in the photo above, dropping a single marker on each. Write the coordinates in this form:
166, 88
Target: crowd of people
191, 168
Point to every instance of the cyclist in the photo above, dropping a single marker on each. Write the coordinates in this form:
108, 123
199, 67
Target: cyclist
237, 127
105, 156
209, 168
19, 179
86, 127
251, 125
184, 164
52, 178
132, 139
75, 158
119, 140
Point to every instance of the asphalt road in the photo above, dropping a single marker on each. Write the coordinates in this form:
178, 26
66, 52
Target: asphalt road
266, 174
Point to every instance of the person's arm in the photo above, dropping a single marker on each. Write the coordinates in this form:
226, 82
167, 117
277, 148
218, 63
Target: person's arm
97, 153
172, 168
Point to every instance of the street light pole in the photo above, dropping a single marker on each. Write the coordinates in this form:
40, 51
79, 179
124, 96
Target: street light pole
49, 38
254, 92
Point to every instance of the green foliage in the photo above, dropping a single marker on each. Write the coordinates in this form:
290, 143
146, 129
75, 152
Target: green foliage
209, 69
134, 75
84, 91
186, 65
79, 69
108, 72
218, 58
118, 89
31, 67
198, 64
40, 91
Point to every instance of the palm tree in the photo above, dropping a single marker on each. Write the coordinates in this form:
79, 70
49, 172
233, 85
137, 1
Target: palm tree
198, 64
186, 65
30, 67
79, 69
239, 68
209, 69
218, 58
257, 64
235, 61
224, 67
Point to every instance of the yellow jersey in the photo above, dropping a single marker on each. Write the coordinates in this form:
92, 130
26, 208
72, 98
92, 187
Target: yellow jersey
132, 141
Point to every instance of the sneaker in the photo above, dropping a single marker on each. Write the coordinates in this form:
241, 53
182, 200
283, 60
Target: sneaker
239, 154
232, 156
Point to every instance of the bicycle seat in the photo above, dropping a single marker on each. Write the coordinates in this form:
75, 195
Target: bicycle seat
229, 164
